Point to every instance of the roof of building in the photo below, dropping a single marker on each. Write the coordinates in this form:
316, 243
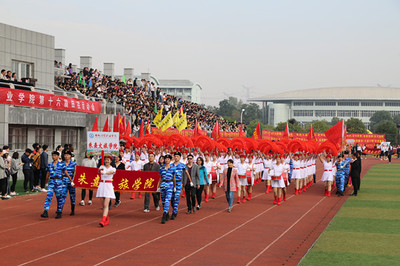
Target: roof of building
176, 82
335, 93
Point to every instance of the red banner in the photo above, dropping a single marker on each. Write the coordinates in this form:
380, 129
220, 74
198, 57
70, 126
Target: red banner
190, 133
48, 101
123, 180
368, 139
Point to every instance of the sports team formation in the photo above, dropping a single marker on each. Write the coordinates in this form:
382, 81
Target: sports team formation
188, 133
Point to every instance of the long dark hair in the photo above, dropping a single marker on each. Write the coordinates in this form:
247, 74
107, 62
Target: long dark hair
201, 159
15, 155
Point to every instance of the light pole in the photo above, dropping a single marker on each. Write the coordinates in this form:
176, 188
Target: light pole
241, 116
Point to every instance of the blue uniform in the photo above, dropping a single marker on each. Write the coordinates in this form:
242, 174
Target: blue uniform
340, 175
67, 183
291, 171
347, 170
56, 185
167, 185
178, 178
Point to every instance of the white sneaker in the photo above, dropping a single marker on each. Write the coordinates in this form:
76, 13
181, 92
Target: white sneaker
158, 208
90, 202
82, 203
146, 210
13, 193
43, 190
8, 197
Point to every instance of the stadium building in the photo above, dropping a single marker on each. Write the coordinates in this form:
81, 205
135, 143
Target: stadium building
325, 103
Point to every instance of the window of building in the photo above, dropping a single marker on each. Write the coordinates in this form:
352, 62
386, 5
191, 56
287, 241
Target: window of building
349, 103
367, 113
271, 119
325, 113
303, 113
392, 103
303, 103
69, 136
187, 91
45, 136
23, 69
325, 103
372, 103
18, 138
347, 113
394, 113
179, 91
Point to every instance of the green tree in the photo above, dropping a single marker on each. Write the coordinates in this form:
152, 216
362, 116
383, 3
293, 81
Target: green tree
225, 108
396, 120
387, 127
378, 117
355, 125
319, 126
334, 121
252, 126
252, 111
293, 126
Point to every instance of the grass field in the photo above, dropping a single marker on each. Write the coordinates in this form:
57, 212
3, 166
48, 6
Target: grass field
366, 230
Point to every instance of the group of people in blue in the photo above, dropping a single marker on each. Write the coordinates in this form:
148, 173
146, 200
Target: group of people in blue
60, 175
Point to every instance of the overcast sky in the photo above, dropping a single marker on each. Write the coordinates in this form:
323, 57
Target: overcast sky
267, 46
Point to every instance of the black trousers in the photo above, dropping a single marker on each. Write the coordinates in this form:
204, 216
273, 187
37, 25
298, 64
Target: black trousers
3, 186
14, 179
43, 174
117, 196
156, 200
28, 178
190, 196
355, 180
84, 194
36, 177
199, 193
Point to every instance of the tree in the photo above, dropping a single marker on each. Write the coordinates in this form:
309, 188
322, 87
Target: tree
396, 120
334, 121
225, 108
293, 127
252, 112
355, 125
387, 127
319, 126
378, 117
252, 126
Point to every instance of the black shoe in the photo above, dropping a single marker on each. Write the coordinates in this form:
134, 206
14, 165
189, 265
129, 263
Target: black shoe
167, 218
194, 209
173, 215
117, 203
189, 212
58, 215
72, 210
164, 217
45, 214
353, 194
198, 207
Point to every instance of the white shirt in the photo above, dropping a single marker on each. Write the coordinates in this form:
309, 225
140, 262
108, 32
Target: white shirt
136, 165
108, 177
242, 168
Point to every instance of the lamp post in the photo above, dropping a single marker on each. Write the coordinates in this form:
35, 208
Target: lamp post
241, 116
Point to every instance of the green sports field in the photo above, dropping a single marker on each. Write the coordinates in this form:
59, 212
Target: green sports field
366, 230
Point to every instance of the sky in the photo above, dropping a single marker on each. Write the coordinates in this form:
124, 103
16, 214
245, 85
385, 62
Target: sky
267, 46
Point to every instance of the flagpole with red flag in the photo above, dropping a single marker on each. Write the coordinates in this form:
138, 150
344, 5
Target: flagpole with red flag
141, 131
311, 134
95, 125
286, 133
148, 129
336, 134
117, 123
215, 132
128, 130
257, 132
241, 130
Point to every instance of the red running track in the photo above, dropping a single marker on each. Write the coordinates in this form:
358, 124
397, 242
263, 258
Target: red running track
256, 232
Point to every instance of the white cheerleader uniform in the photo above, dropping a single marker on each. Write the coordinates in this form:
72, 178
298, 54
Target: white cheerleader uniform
136, 165
302, 169
296, 174
328, 174
212, 168
277, 170
223, 161
105, 189
251, 181
267, 166
242, 169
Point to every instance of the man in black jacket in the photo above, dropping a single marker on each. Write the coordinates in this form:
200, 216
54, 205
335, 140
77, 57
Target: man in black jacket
355, 171
155, 167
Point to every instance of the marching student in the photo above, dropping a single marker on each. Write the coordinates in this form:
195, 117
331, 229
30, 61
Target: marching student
136, 165
242, 168
119, 165
230, 181
276, 172
68, 177
327, 176
191, 181
355, 171
251, 177
179, 168
296, 175
105, 191
88, 161
152, 165
266, 177
340, 175
167, 186
203, 181
214, 176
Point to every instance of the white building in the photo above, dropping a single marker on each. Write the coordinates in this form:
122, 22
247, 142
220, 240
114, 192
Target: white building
325, 103
182, 88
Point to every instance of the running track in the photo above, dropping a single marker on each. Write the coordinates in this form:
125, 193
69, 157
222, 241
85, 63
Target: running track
256, 232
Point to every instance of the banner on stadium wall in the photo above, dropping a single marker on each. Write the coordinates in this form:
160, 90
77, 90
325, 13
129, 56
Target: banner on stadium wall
48, 101
102, 141
367, 139
190, 133
123, 180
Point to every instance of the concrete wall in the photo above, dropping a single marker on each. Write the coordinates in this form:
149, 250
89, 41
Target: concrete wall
86, 61
29, 47
59, 56
109, 69
128, 73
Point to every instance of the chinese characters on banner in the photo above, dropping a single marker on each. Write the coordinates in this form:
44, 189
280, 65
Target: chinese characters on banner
102, 141
124, 181
368, 139
190, 133
48, 101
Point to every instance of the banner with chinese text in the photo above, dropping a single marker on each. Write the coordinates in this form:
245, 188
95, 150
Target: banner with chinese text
48, 101
123, 180
190, 133
102, 141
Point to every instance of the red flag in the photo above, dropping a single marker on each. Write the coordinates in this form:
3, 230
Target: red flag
95, 125
311, 134
128, 130
197, 129
257, 132
336, 133
241, 131
215, 132
117, 123
122, 126
148, 129
286, 133
106, 126
141, 131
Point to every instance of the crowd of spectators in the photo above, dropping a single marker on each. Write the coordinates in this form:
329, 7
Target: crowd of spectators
140, 98
8, 75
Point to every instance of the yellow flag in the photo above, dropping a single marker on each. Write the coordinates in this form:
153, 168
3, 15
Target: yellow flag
167, 122
175, 118
158, 118
182, 123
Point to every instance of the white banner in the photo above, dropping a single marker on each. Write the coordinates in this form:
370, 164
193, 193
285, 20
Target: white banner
102, 141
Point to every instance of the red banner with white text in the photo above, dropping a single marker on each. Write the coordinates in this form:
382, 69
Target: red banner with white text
190, 133
123, 180
48, 101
